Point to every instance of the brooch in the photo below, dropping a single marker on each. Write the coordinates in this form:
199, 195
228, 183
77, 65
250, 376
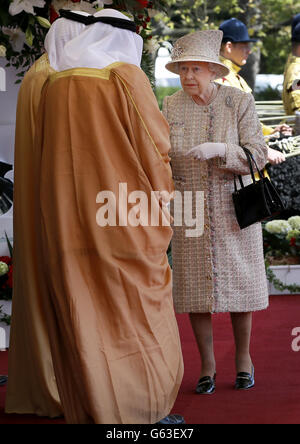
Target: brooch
228, 102
176, 52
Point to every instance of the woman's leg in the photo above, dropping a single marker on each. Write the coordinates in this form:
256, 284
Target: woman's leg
202, 327
242, 326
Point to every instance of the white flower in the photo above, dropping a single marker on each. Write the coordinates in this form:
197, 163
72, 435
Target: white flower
2, 51
152, 46
294, 222
18, 6
80, 6
16, 36
278, 227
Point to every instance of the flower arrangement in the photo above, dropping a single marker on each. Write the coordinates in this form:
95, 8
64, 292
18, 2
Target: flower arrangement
24, 24
6, 281
282, 241
6, 273
282, 247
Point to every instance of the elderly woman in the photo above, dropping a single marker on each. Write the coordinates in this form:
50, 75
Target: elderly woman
223, 269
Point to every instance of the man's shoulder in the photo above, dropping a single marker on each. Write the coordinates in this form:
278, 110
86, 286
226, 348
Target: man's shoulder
292, 70
129, 72
294, 64
40, 69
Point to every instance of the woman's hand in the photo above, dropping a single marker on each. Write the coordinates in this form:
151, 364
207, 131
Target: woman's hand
207, 151
275, 157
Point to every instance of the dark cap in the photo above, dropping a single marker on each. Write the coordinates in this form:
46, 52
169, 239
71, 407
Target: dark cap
295, 21
235, 31
296, 33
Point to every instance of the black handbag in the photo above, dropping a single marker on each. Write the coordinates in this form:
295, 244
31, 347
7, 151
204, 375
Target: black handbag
257, 201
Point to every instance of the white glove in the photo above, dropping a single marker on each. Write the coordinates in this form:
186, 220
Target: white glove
207, 151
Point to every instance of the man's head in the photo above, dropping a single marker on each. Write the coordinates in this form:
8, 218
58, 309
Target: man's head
236, 43
99, 40
61, 32
236, 52
296, 40
295, 21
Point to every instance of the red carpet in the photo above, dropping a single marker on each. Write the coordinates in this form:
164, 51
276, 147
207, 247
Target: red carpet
276, 396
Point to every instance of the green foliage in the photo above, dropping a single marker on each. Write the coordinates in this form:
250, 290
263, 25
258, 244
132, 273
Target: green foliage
268, 93
9, 245
282, 241
280, 286
5, 318
275, 32
162, 91
278, 246
33, 34
269, 20
33, 28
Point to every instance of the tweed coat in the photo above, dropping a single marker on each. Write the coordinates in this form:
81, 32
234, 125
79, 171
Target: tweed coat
221, 270
235, 80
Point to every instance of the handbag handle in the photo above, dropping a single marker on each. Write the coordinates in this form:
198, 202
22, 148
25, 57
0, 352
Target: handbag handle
250, 159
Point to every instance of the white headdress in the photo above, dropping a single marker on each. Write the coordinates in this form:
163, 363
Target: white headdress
94, 46
61, 32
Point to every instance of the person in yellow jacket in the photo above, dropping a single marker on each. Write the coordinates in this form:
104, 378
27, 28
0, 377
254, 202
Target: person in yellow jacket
295, 21
235, 49
291, 95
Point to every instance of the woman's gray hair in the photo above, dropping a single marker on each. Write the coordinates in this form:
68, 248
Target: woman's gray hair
212, 67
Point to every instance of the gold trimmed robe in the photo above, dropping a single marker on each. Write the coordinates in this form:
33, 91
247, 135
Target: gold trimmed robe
31, 384
114, 337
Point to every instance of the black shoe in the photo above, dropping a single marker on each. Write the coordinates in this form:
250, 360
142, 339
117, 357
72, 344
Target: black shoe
3, 380
244, 380
172, 419
206, 385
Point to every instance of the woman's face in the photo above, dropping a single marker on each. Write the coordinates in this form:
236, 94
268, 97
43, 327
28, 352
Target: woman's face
195, 77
